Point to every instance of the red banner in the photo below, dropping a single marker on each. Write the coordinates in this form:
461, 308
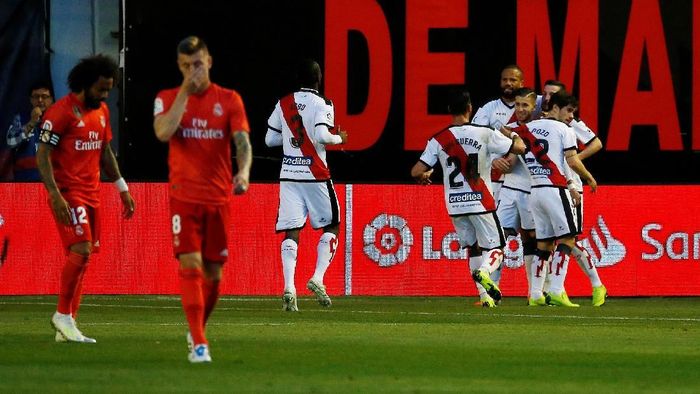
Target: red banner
404, 244
399, 241
136, 255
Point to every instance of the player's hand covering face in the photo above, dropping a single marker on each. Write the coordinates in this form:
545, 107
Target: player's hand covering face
195, 71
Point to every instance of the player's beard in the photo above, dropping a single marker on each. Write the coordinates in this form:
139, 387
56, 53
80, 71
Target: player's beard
508, 94
92, 102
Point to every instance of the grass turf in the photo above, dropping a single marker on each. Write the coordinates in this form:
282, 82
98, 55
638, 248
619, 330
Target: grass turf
361, 344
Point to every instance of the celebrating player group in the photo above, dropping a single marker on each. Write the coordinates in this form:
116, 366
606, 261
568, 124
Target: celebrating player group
529, 141
535, 195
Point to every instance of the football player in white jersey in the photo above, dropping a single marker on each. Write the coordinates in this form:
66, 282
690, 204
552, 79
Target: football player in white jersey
464, 152
301, 123
550, 158
588, 145
514, 210
498, 113
550, 87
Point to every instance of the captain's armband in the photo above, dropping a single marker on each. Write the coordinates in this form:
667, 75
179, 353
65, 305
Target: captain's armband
47, 136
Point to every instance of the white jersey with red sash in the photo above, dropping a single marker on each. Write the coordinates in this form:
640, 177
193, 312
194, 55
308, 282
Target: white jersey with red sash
296, 117
546, 141
496, 114
464, 152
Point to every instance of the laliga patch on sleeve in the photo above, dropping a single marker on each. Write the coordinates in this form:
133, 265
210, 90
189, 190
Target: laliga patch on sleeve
157, 106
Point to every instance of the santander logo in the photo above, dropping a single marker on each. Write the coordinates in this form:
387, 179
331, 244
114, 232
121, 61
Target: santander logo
604, 249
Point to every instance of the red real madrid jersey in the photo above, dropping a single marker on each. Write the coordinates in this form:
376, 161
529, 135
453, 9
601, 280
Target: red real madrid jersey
78, 135
200, 150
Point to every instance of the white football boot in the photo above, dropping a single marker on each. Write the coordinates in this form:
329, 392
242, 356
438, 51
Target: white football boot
199, 354
190, 342
65, 325
85, 339
320, 290
290, 302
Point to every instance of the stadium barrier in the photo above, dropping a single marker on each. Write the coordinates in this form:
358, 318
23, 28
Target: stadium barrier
395, 240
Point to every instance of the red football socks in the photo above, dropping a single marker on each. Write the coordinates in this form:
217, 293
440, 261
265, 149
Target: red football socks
210, 290
193, 302
70, 280
75, 304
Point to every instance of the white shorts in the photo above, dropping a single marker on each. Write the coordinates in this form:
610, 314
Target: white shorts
481, 228
496, 189
514, 209
317, 200
553, 212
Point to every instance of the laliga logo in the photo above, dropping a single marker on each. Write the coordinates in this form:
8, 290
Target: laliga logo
387, 240
610, 250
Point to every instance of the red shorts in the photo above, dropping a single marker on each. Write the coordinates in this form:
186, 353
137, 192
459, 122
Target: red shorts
84, 227
200, 228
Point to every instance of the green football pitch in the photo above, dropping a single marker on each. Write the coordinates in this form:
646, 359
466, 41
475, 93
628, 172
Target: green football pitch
360, 344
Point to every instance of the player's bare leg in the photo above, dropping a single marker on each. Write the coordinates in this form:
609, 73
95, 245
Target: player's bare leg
327, 246
289, 248
69, 295
191, 278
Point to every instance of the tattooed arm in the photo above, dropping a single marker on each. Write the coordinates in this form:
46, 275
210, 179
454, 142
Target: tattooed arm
244, 159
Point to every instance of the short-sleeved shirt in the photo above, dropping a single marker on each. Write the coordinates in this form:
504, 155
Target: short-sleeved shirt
78, 135
547, 140
496, 113
200, 150
519, 177
464, 152
296, 116
584, 137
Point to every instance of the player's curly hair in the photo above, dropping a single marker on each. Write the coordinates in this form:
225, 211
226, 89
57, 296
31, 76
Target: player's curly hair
89, 70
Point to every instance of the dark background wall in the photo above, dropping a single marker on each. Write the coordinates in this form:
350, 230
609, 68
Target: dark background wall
254, 44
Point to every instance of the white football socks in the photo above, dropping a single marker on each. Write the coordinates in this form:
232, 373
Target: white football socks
289, 263
475, 264
560, 265
529, 259
491, 260
325, 250
584, 261
538, 274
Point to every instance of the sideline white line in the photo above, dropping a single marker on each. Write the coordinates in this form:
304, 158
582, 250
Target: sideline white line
183, 324
494, 314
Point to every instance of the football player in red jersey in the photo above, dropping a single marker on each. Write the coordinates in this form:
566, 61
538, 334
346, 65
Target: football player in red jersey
75, 137
198, 119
